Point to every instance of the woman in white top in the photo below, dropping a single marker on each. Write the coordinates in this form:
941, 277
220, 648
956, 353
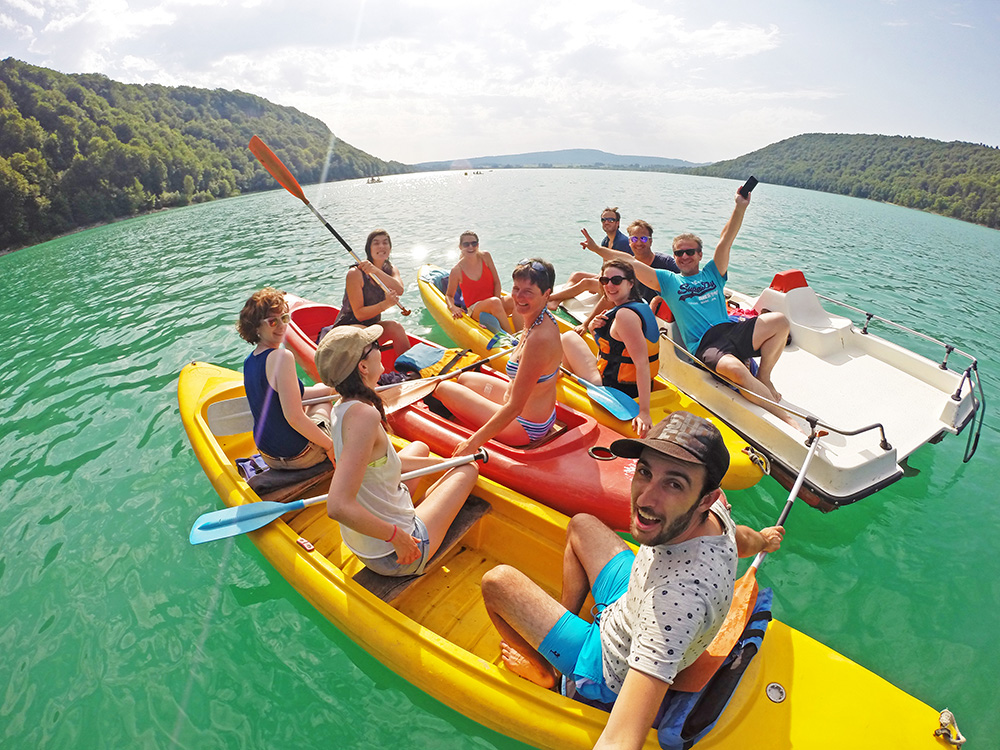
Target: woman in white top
367, 497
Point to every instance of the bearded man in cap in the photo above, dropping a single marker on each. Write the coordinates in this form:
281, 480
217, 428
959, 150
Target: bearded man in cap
656, 611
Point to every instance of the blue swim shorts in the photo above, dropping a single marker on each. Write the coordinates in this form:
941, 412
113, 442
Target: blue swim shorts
573, 646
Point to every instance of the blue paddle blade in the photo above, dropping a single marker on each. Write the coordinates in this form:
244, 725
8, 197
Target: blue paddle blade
239, 519
618, 404
613, 401
490, 323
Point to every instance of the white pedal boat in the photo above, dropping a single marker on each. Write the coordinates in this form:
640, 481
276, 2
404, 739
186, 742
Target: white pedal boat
878, 401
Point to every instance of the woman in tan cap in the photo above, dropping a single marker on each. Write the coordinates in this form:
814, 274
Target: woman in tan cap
288, 435
378, 521
525, 409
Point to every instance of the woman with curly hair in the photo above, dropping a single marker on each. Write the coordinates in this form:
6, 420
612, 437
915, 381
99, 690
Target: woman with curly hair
288, 434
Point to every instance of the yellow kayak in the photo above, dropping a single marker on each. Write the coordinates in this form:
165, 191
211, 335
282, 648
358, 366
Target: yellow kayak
436, 634
746, 466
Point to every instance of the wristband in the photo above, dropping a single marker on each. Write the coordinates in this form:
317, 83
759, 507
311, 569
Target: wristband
394, 530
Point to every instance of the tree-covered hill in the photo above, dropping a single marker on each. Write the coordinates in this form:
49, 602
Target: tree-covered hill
76, 150
953, 179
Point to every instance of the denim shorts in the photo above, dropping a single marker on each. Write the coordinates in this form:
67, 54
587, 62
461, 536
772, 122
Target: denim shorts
387, 565
573, 646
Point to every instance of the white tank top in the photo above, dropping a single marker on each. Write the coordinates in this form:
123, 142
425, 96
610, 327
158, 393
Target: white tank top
382, 493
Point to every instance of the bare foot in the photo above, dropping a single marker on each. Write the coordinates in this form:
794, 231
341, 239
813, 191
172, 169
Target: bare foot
770, 386
522, 666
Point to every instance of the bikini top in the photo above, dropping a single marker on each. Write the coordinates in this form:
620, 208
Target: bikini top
512, 372
512, 364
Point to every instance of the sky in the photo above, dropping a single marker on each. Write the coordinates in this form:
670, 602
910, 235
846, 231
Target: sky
429, 80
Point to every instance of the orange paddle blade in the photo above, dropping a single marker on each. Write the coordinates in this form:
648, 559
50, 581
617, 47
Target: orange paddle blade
696, 676
277, 169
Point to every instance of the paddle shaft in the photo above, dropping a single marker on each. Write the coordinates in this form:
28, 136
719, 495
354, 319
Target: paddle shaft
239, 519
223, 421
287, 180
434, 379
450, 463
791, 495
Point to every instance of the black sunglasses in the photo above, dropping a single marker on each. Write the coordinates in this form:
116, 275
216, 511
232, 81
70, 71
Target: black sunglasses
605, 280
691, 251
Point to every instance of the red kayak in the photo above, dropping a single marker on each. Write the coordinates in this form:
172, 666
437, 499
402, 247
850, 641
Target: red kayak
569, 469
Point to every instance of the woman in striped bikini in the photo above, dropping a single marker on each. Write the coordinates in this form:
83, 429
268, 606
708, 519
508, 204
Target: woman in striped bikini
523, 410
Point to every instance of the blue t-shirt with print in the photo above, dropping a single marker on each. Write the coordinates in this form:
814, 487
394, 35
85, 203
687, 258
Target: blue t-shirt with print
697, 301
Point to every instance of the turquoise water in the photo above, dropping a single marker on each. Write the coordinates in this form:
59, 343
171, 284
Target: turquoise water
117, 633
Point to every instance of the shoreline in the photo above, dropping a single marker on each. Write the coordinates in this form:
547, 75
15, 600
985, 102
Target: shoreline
95, 225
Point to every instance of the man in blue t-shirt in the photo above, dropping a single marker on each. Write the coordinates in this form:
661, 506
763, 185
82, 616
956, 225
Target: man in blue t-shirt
696, 298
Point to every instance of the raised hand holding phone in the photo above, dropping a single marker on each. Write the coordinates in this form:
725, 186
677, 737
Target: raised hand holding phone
747, 186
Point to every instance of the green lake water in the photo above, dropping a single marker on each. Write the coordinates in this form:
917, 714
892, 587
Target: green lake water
116, 633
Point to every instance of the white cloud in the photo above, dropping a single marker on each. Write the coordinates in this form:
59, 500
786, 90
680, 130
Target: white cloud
433, 79
22, 31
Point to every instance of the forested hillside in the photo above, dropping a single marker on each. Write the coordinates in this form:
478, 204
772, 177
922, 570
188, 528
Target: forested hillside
76, 150
953, 179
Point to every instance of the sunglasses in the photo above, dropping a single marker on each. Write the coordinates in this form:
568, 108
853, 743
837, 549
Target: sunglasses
534, 265
273, 320
471, 243
608, 218
691, 252
644, 239
616, 280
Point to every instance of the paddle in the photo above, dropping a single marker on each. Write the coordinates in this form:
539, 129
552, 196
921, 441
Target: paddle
616, 403
227, 522
233, 416
410, 391
280, 172
696, 676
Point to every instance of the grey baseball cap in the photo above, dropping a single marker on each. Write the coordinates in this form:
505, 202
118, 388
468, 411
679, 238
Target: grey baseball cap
686, 437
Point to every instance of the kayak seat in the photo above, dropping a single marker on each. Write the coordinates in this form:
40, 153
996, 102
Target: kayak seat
439, 278
388, 588
281, 486
557, 429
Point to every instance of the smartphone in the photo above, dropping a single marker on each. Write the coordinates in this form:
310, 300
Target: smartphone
747, 186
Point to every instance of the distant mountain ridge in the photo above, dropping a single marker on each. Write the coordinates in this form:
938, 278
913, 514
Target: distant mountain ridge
77, 150
570, 157
956, 179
